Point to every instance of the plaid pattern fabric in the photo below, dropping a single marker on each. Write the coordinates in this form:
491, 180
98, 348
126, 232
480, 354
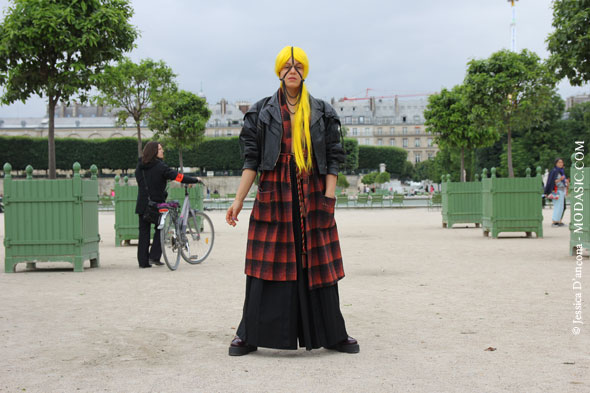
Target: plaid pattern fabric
270, 253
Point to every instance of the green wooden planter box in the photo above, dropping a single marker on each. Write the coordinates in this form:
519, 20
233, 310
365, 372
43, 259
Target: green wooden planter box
512, 204
51, 220
461, 202
579, 198
126, 221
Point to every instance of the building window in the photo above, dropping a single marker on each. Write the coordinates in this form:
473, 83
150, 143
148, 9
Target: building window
216, 132
404, 119
417, 142
379, 142
405, 142
391, 142
417, 157
429, 142
367, 131
405, 130
417, 130
355, 132
391, 130
229, 133
416, 119
379, 131
367, 141
430, 155
348, 120
361, 119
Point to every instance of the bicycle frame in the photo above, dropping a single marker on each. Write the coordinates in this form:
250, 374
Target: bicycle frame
183, 213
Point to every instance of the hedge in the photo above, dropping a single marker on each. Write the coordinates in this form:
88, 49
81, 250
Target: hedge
121, 153
393, 157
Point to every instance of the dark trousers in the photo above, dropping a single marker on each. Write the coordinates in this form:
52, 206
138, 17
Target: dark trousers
144, 252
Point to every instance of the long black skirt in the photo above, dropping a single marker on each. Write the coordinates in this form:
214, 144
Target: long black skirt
277, 314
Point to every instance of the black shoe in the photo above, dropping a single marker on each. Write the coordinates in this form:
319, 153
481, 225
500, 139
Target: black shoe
350, 345
238, 347
154, 262
144, 267
555, 225
561, 224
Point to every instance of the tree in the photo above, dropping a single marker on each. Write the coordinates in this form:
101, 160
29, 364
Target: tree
342, 182
447, 117
369, 178
508, 91
569, 44
54, 48
382, 177
133, 88
179, 119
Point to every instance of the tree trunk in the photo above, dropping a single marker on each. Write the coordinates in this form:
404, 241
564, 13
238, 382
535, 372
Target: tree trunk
509, 151
139, 146
51, 138
180, 160
462, 164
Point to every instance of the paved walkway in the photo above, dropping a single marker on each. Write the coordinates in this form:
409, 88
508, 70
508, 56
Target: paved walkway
423, 301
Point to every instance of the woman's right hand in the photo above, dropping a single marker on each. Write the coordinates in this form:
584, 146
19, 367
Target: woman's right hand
232, 212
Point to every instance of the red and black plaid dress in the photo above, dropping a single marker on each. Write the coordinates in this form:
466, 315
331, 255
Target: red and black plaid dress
293, 260
271, 250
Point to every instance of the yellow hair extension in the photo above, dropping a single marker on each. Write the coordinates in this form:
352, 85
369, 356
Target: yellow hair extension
301, 136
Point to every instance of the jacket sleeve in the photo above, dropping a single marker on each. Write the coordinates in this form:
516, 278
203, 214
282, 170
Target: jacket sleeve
249, 139
335, 154
550, 182
171, 174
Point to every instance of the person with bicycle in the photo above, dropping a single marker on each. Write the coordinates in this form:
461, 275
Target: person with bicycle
152, 174
293, 257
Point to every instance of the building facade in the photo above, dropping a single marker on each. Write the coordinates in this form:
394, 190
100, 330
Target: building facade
388, 122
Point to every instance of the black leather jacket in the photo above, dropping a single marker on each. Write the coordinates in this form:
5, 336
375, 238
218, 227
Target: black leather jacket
260, 139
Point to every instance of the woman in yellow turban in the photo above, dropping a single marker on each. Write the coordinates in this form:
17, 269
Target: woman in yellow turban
293, 258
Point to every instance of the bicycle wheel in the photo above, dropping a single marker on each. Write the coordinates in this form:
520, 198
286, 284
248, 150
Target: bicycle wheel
199, 237
170, 242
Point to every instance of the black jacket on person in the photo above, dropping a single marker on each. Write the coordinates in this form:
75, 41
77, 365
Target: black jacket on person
157, 174
550, 185
260, 138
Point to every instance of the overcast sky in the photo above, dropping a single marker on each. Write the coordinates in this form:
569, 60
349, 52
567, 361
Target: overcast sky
394, 47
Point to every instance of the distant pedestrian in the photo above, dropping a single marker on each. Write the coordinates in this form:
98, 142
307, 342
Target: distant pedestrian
556, 189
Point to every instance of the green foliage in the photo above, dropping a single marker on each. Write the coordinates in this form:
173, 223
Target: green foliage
344, 131
408, 171
179, 119
382, 177
54, 48
422, 170
393, 157
134, 87
351, 147
369, 178
569, 44
508, 91
342, 182
213, 154
447, 117
117, 153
